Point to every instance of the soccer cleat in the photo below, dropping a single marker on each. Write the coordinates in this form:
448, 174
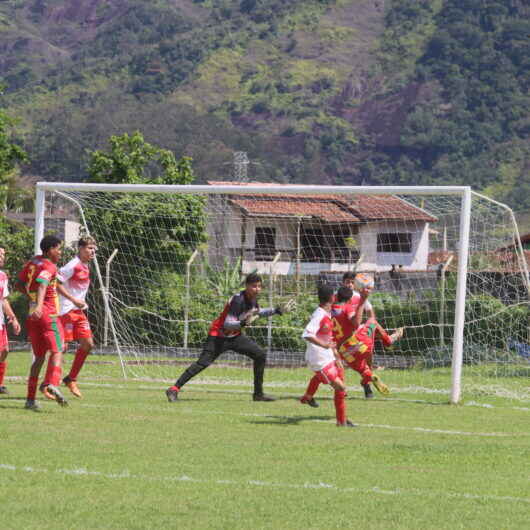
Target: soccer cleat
72, 386
311, 402
31, 404
368, 394
263, 397
397, 334
172, 394
44, 389
3, 390
56, 395
381, 387
347, 423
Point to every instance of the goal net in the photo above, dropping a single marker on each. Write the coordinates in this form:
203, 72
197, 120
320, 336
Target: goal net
169, 259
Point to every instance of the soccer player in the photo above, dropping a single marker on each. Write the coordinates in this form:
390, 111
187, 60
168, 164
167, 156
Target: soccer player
38, 280
5, 308
75, 276
348, 280
355, 341
225, 334
361, 285
321, 357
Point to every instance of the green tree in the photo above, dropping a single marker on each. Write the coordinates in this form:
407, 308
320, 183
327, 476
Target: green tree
16, 238
155, 234
132, 160
10, 156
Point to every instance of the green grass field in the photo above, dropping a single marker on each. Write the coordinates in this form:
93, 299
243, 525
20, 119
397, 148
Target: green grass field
123, 457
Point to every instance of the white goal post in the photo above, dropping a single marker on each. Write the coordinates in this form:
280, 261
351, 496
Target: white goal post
459, 193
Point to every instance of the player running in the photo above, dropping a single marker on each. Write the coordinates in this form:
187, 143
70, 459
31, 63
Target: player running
225, 334
75, 276
321, 357
38, 280
5, 309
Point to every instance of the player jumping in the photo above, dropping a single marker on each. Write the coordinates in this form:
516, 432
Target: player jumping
321, 357
5, 308
75, 276
225, 334
355, 341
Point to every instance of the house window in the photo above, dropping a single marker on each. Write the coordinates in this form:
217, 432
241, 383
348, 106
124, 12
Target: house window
400, 242
314, 246
264, 243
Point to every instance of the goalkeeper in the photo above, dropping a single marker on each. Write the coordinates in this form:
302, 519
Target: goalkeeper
226, 334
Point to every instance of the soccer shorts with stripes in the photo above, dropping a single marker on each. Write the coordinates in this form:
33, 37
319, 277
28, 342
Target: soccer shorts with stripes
46, 334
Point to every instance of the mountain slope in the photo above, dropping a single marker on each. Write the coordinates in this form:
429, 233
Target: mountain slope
345, 91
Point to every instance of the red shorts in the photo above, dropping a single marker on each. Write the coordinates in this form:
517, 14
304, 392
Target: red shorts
46, 334
4, 343
329, 373
76, 325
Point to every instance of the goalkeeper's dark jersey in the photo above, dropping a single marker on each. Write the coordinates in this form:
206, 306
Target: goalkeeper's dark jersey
227, 324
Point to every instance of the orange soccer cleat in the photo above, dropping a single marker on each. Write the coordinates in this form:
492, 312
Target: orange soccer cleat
72, 386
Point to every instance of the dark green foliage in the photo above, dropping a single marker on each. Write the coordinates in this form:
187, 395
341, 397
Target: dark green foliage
451, 76
477, 65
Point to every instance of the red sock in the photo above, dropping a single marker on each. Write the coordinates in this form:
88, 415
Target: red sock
385, 337
175, 388
53, 374
32, 387
312, 387
340, 406
79, 360
3, 370
367, 377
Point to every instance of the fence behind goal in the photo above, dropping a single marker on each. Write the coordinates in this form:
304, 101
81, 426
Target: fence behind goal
169, 258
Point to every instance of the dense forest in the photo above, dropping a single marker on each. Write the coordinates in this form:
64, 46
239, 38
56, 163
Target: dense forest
336, 91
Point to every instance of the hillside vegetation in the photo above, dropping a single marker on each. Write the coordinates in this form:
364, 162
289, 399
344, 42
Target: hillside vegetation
336, 91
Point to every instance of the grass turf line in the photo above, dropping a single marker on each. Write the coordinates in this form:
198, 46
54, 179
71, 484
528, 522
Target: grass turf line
123, 452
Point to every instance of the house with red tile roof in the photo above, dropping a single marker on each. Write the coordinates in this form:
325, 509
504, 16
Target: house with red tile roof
314, 233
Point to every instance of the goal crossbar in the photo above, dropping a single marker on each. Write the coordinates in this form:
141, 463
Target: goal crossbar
464, 192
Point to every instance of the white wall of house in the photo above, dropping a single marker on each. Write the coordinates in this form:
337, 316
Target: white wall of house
225, 231
380, 261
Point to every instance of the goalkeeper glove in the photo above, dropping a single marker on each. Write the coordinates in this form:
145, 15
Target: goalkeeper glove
249, 317
286, 307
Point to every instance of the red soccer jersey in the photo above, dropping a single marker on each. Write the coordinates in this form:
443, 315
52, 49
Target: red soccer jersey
40, 270
343, 327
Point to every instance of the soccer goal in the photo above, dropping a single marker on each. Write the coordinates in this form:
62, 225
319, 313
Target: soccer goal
448, 265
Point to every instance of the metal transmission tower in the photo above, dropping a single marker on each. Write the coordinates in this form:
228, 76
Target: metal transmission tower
240, 166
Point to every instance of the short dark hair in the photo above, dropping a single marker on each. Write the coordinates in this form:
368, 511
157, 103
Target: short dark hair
325, 294
48, 242
344, 294
253, 278
348, 275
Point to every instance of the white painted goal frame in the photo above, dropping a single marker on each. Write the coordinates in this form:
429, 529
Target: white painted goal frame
464, 192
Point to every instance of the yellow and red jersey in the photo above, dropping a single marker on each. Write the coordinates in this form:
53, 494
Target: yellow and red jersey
343, 327
40, 270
